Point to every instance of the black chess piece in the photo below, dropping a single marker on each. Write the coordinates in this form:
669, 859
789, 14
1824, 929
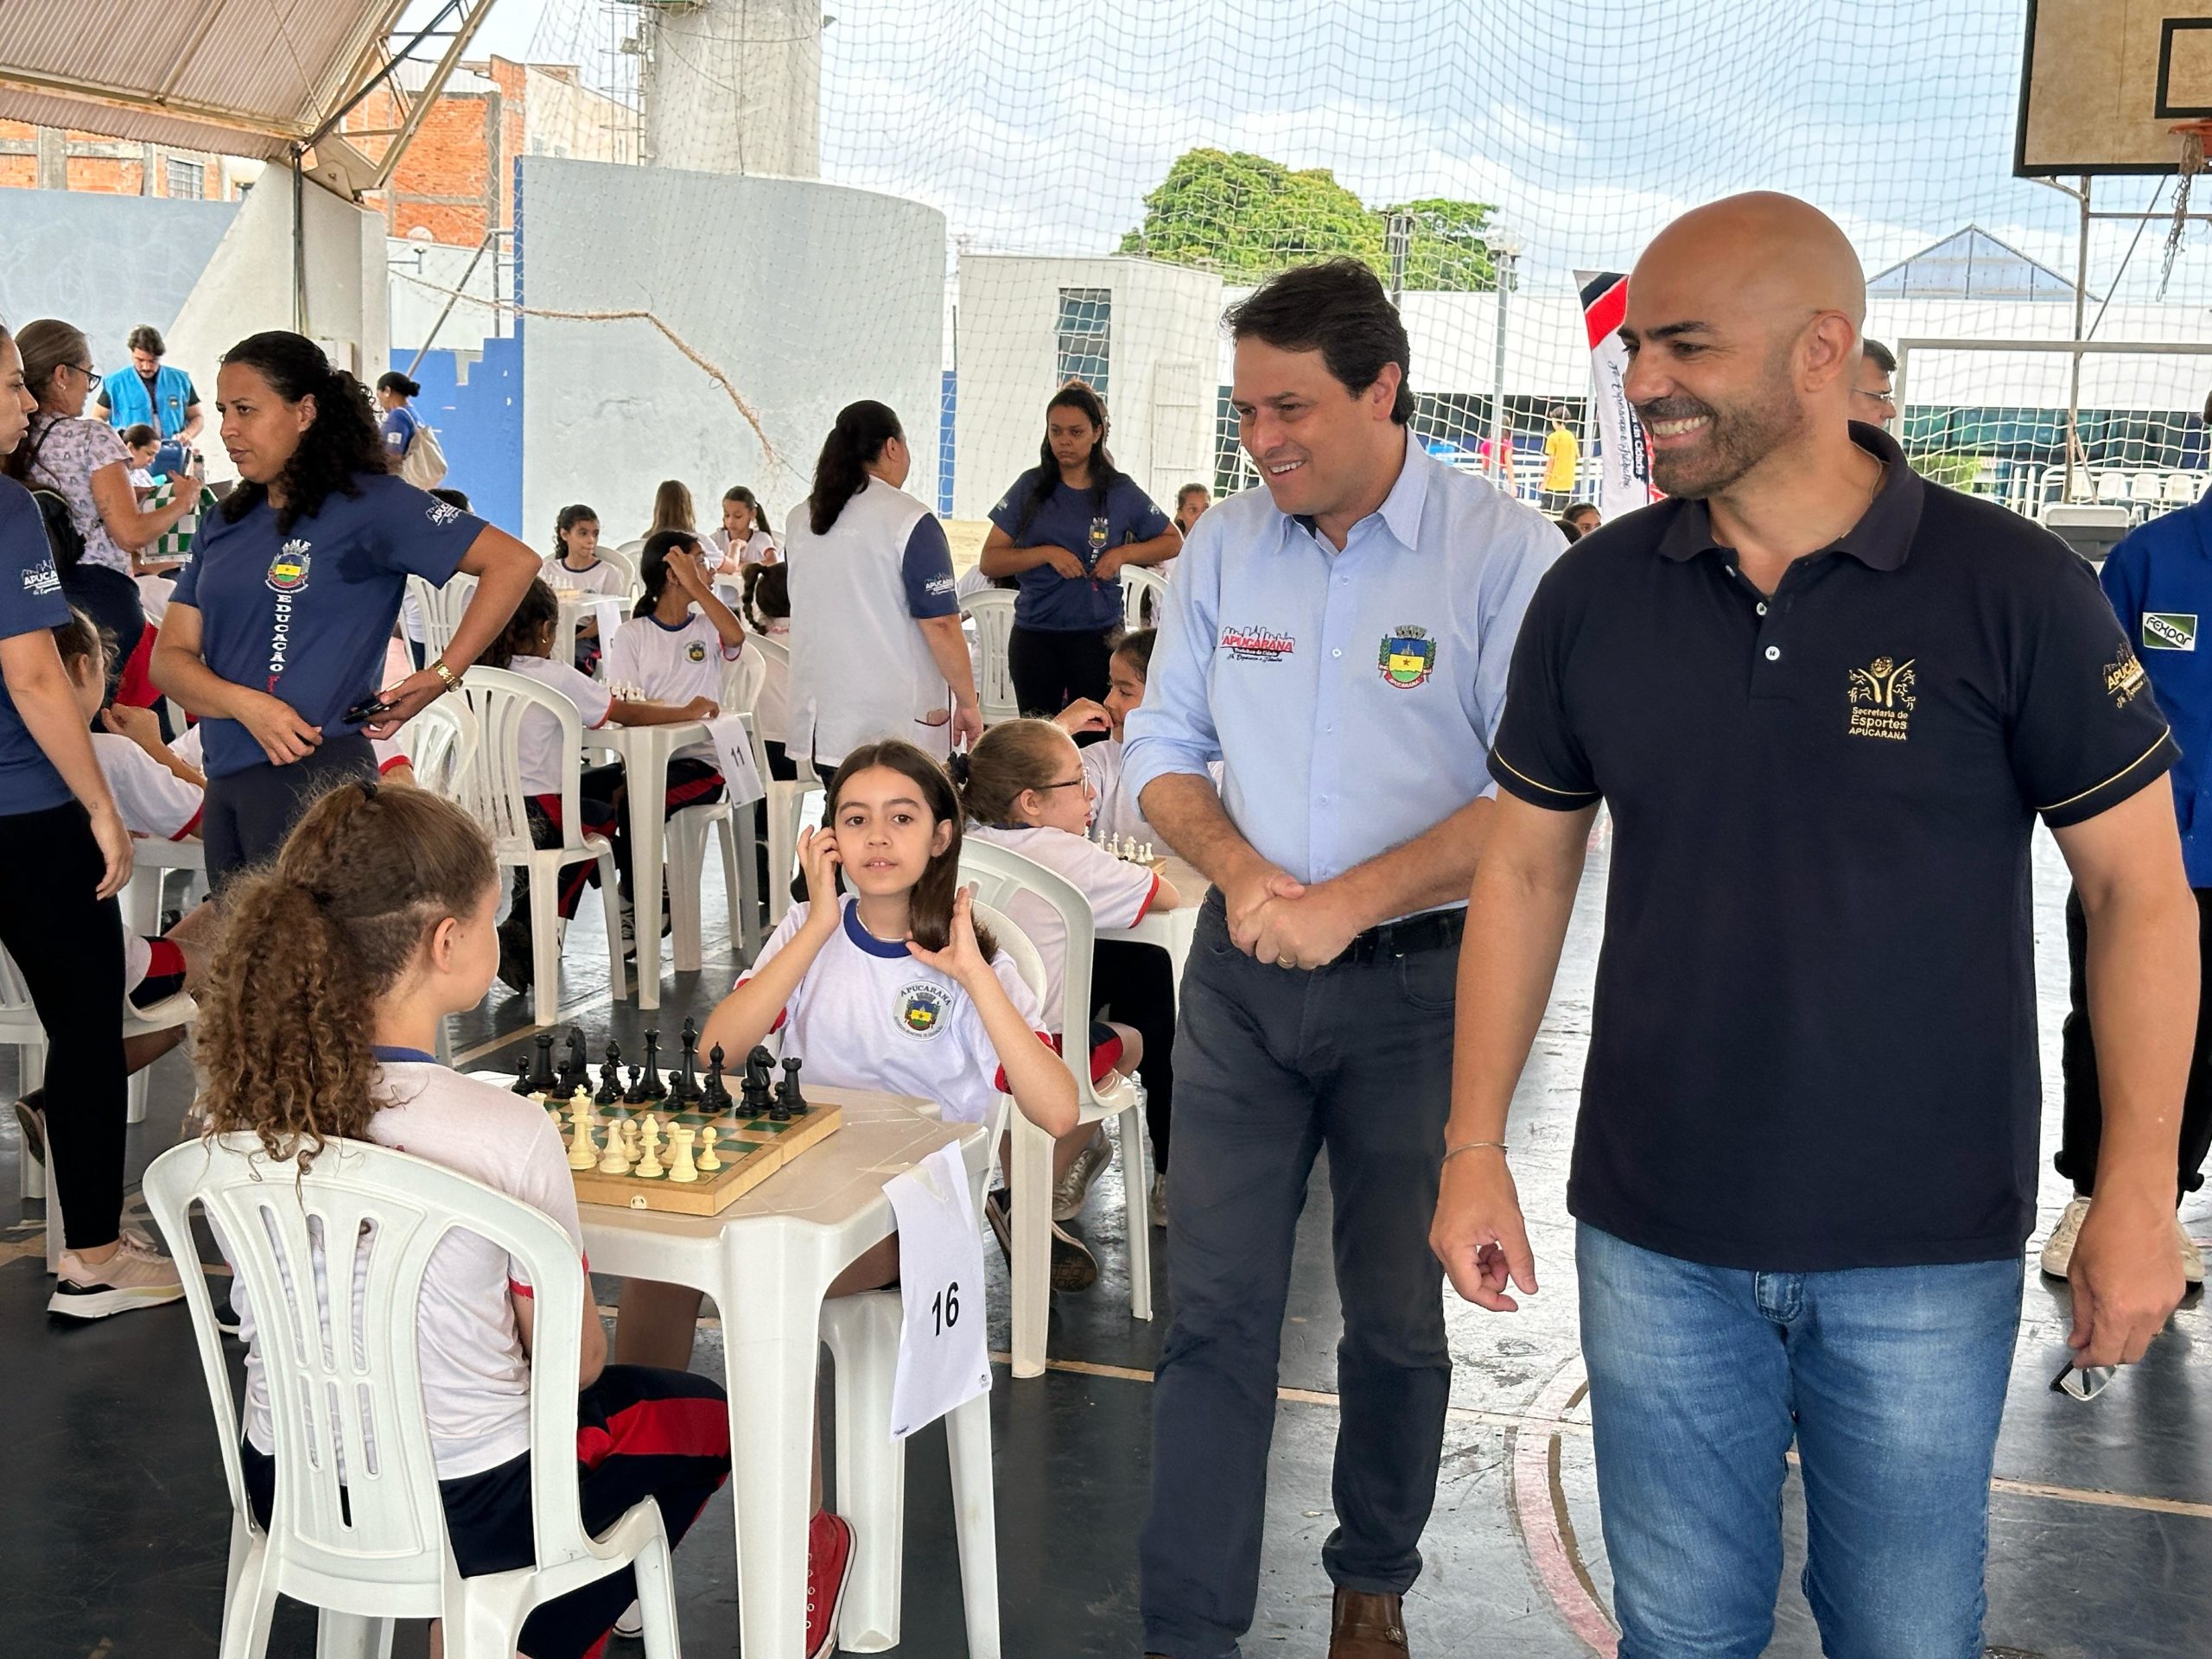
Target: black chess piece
522, 1084
758, 1100
575, 1066
542, 1080
635, 1094
715, 1097
790, 1103
610, 1077
684, 1089
654, 1087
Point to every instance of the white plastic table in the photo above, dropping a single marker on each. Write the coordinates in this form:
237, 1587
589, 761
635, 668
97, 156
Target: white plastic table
645, 751
766, 1260
1171, 930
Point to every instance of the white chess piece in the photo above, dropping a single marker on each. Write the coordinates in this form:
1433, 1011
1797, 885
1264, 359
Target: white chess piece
684, 1169
583, 1152
707, 1162
616, 1160
1147, 852
649, 1166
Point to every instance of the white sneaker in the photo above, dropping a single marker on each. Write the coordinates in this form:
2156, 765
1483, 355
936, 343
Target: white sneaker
2058, 1250
2192, 1259
629, 931
136, 1275
1074, 1190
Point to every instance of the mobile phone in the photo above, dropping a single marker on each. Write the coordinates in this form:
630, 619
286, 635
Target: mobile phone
366, 711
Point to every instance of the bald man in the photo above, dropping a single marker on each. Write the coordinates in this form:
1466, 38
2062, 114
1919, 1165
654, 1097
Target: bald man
1825, 702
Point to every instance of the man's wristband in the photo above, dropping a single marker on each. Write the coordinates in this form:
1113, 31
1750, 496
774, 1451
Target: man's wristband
1450, 1153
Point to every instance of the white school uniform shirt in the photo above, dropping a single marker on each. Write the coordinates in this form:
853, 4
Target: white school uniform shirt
599, 577
538, 738
670, 665
1118, 891
1118, 812
758, 546
868, 1015
475, 1373
153, 801
860, 670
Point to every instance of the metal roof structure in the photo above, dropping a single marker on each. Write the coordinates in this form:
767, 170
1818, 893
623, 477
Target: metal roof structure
269, 79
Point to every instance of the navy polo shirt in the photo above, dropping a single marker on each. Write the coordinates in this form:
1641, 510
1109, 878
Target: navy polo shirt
2159, 580
1813, 1043
30, 601
304, 615
1079, 521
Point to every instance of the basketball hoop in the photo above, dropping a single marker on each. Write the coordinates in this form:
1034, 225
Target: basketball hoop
2193, 135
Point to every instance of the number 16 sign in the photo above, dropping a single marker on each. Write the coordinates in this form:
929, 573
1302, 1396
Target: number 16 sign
943, 1359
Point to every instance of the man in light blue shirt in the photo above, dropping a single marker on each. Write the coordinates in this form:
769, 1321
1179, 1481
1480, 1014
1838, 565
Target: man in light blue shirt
1339, 641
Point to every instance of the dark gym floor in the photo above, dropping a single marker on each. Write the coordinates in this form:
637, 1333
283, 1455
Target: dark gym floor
113, 1521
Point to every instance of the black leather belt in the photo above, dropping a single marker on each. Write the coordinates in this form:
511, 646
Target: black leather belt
1432, 929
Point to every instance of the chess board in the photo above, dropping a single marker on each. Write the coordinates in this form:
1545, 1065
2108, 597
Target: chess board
751, 1150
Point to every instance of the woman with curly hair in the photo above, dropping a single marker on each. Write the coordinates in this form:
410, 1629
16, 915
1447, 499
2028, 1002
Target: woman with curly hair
383, 899
275, 636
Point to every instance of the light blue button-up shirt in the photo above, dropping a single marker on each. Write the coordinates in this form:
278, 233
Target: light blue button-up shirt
1350, 696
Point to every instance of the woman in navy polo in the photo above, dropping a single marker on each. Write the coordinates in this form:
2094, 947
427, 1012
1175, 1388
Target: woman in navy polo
1066, 529
277, 634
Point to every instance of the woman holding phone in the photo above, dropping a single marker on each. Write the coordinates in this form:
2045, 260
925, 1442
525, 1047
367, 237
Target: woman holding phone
275, 636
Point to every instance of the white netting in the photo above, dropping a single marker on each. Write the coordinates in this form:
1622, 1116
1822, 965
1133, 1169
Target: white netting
1219, 139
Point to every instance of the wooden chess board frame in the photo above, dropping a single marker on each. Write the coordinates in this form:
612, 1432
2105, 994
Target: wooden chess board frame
751, 1149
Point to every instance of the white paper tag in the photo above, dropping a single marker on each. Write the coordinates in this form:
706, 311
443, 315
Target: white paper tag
943, 1359
610, 613
733, 748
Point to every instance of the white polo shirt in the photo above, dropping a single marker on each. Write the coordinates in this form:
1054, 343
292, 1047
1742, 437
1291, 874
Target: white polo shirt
537, 736
868, 1015
154, 801
475, 1373
669, 665
597, 577
1119, 893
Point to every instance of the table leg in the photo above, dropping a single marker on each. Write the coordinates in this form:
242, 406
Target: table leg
647, 797
770, 1333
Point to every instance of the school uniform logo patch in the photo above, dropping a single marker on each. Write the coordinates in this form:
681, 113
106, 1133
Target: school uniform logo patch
42, 578
1407, 658
2124, 677
442, 512
922, 1009
2170, 631
1257, 645
1881, 700
695, 651
288, 571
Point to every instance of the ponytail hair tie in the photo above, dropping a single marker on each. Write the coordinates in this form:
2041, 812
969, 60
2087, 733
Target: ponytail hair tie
955, 767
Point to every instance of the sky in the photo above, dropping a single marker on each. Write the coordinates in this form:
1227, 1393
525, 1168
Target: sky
1037, 126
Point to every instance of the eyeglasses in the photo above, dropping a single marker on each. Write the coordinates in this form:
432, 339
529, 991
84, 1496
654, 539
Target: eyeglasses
1066, 783
89, 373
1887, 400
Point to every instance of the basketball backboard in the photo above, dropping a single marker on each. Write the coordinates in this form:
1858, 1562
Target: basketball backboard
2106, 82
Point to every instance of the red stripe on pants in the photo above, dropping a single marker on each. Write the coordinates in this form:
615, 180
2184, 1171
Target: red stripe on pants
659, 1428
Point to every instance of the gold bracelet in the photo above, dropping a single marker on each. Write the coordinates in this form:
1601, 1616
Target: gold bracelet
1471, 1146
447, 678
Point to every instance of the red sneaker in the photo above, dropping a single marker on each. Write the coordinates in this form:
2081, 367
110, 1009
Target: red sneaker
829, 1564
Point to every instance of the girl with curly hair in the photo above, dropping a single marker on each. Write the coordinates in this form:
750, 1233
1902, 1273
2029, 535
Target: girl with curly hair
276, 634
384, 900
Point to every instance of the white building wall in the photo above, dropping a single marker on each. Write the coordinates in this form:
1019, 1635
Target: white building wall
734, 86
1159, 395
805, 295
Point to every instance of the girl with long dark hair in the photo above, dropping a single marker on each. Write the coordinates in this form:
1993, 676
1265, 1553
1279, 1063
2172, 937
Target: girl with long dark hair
576, 567
84, 462
745, 538
63, 844
277, 634
877, 652
1066, 529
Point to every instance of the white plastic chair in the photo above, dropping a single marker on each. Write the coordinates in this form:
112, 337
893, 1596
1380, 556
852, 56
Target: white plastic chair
992, 612
441, 608
370, 1545
862, 1335
493, 795
440, 746
2177, 490
997, 873
2112, 489
625, 559
20, 1029
2144, 492
686, 840
1140, 583
786, 803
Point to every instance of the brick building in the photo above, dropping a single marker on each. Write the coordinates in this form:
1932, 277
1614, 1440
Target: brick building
48, 158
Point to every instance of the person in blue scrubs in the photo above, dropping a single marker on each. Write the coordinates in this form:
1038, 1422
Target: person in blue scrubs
67, 854
2159, 580
1065, 531
275, 636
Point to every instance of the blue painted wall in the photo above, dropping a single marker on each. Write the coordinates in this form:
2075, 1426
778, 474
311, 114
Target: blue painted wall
479, 426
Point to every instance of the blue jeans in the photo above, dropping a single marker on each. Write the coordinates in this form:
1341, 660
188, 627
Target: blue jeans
1891, 1381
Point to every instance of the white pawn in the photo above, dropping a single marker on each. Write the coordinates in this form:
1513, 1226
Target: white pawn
707, 1162
684, 1169
616, 1160
649, 1166
1147, 852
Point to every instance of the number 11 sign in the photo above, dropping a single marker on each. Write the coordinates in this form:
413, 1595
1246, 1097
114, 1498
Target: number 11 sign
942, 1360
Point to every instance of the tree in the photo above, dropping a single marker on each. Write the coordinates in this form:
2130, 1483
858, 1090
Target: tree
1246, 218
